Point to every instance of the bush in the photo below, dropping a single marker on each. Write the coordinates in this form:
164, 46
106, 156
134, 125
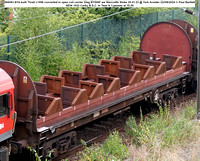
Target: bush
75, 59
103, 50
112, 150
38, 61
163, 129
127, 44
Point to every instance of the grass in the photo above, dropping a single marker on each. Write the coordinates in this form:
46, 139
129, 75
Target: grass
167, 135
112, 150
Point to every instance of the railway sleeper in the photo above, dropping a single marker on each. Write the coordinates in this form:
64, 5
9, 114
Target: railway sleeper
100, 126
106, 123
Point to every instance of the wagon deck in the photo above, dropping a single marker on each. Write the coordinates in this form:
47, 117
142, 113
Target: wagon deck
105, 88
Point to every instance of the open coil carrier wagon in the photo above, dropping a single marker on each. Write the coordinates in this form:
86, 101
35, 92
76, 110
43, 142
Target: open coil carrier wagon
49, 111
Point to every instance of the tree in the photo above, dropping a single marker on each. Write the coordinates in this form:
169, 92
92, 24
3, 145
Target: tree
5, 17
42, 55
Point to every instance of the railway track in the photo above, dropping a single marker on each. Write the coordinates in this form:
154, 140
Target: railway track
96, 132
100, 129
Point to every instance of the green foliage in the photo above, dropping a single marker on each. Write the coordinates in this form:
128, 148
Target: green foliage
49, 54
189, 112
49, 155
163, 128
75, 59
44, 55
103, 50
135, 12
34, 153
113, 146
112, 150
196, 3
38, 62
4, 18
91, 52
127, 44
193, 19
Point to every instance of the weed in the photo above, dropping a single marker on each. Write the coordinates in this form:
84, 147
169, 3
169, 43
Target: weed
164, 132
127, 44
112, 150
163, 127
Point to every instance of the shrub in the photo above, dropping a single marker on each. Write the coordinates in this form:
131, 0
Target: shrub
112, 150
127, 44
163, 129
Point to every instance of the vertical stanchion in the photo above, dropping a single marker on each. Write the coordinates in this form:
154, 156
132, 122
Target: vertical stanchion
140, 27
8, 47
123, 27
172, 14
198, 59
198, 67
82, 33
59, 34
157, 17
103, 28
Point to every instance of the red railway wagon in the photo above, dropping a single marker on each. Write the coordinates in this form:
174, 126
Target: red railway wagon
49, 111
7, 112
6, 100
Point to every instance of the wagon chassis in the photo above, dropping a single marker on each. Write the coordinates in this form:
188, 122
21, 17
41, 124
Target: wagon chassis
52, 137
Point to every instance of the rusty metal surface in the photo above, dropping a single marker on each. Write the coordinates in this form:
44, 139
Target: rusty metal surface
139, 57
54, 107
110, 84
98, 104
114, 86
160, 67
193, 34
76, 116
93, 89
71, 78
73, 96
43, 103
145, 70
167, 38
90, 71
125, 62
178, 63
54, 83
189, 29
81, 97
41, 88
48, 105
172, 62
105, 80
111, 67
129, 76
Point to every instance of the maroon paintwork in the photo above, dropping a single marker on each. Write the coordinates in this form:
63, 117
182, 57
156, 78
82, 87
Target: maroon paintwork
189, 28
93, 104
49, 110
26, 103
168, 38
